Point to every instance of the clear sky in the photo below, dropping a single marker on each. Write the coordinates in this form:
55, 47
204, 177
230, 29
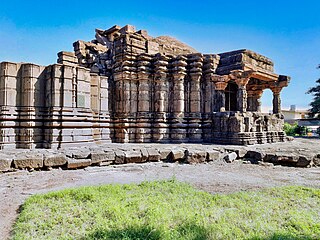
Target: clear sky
286, 31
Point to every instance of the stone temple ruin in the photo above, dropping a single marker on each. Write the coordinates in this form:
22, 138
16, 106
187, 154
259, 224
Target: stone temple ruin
126, 86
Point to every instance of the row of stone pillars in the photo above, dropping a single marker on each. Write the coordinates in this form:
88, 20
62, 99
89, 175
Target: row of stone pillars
246, 100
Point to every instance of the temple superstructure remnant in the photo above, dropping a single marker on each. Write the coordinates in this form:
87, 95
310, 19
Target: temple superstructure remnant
126, 86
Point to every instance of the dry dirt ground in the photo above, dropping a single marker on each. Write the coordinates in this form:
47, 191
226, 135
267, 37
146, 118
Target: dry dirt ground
214, 177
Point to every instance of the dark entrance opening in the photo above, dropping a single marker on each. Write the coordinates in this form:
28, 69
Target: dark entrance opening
231, 97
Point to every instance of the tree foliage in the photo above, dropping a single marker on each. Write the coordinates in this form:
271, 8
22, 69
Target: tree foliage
315, 103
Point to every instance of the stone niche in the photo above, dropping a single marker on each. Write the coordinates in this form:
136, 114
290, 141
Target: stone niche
127, 86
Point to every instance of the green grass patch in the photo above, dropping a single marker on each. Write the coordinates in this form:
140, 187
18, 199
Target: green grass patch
170, 210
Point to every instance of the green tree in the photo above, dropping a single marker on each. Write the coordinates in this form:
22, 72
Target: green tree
315, 104
291, 129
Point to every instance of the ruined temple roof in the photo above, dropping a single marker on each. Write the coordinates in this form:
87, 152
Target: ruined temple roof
168, 40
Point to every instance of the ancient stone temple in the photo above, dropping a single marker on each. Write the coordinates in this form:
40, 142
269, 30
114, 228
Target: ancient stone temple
126, 86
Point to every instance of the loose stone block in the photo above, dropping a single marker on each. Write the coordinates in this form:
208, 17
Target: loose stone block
144, 154
119, 157
78, 163
257, 155
5, 163
154, 155
316, 160
54, 160
230, 157
195, 156
164, 154
304, 161
213, 155
133, 157
101, 156
177, 155
81, 154
29, 161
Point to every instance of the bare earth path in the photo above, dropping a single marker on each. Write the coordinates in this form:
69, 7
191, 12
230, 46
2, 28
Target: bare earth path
215, 178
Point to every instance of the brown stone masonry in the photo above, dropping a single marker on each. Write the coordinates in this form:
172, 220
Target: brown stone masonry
126, 86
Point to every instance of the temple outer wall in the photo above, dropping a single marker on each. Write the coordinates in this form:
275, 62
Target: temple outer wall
52, 107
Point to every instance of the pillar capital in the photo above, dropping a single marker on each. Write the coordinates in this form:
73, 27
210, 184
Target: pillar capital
179, 75
276, 90
220, 86
241, 77
220, 78
142, 75
234, 74
195, 76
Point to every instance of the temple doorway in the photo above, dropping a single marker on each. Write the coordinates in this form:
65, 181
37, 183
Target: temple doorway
231, 97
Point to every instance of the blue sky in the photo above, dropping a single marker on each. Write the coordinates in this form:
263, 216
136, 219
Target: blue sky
288, 32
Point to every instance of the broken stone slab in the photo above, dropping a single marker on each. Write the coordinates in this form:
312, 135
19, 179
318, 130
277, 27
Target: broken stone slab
304, 161
78, 163
98, 157
213, 155
154, 155
176, 155
164, 154
240, 151
230, 157
256, 155
29, 161
119, 157
133, 157
54, 160
289, 159
195, 156
5, 163
316, 160
81, 154
144, 154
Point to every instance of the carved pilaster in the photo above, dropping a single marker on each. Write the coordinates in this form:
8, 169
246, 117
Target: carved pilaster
143, 130
160, 126
194, 115
124, 72
210, 65
178, 133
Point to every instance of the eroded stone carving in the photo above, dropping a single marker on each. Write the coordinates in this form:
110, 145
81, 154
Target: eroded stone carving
126, 86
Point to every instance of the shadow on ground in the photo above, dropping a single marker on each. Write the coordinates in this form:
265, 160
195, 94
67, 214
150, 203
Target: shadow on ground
186, 231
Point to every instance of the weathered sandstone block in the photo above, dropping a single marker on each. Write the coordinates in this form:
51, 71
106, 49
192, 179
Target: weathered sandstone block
29, 161
54, 160
78, 163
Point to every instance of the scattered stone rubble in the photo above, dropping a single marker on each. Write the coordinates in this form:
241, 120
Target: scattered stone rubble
286, 154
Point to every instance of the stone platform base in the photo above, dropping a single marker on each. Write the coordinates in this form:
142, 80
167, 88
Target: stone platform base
298, 153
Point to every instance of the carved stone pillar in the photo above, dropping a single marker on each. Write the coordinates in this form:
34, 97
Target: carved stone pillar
276, 99
220, 84
178, 133
242, 94
160, 126
257, 100
220, 102
194, 123
241, 78
143, 131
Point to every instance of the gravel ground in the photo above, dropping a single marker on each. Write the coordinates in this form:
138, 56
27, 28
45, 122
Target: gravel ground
215, 177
